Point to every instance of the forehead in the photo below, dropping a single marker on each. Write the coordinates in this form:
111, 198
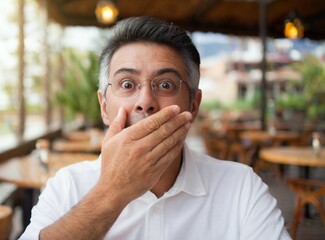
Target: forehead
146, 58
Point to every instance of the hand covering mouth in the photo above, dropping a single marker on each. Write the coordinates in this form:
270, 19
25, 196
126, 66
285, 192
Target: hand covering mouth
135, 118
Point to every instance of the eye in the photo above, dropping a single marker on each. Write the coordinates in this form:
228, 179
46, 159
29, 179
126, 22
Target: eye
166, 84
127, 84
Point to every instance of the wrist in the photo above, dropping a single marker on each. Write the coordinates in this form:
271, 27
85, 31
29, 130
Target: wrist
108, 199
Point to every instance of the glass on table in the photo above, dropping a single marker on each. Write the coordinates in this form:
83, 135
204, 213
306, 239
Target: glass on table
316, 144
94, 136
43, 149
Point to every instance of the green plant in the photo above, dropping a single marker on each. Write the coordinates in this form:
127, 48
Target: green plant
307, 95
291, 101
249, 103
79, 95
211, 105
313, 77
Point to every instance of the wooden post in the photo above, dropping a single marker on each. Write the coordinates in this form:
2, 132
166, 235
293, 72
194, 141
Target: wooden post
21, 72
60, 75
263, 35
47, 67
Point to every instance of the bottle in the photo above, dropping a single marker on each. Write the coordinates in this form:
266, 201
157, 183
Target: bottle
316, 144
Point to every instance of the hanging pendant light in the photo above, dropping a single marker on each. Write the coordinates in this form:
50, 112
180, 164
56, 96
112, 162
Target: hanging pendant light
106, 11
293, 26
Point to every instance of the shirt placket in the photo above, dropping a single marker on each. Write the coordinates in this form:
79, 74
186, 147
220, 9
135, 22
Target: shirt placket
154, 221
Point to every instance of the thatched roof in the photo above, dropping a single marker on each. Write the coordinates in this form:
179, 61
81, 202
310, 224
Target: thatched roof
238, 17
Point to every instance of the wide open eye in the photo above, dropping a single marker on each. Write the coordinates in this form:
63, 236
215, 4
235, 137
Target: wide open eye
127, 85
167, 86
124, 87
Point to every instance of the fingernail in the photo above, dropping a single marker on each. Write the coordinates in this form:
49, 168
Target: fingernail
188, 125
188, 116
175, 109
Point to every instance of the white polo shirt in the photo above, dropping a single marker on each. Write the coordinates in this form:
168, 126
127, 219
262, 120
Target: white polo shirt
211, 199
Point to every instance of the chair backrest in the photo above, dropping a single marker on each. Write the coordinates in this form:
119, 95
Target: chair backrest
215, 144
5, 221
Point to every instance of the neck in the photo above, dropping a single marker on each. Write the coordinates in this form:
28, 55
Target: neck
168, 178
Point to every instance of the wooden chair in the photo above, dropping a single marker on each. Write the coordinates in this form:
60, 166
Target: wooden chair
216, 146
5, 221
307, 192
239, 152
305, 138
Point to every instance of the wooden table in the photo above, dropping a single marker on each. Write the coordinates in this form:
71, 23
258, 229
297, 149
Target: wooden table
77, 146
300, 156
30, 174
84, 135
260, 137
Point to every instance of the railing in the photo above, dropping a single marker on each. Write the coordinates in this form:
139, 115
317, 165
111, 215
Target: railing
25, 147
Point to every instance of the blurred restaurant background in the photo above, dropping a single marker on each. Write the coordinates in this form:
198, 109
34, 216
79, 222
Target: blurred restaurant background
262, 78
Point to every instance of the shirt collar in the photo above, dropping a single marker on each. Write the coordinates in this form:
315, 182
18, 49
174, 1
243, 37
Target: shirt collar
189, 179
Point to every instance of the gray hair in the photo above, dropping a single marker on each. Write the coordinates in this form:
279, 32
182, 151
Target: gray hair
149, 29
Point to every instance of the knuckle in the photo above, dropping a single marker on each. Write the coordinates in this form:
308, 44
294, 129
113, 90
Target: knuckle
137, 151
164, 131
152, 124
169, 142
125, 137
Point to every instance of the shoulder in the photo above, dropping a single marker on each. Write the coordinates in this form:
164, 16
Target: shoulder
79, 177
229, 176
207, 163
81, 168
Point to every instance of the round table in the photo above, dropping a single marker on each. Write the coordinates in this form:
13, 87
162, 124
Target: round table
261, 137
301, 156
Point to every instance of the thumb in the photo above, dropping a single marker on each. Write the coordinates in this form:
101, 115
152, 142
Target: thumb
117, 125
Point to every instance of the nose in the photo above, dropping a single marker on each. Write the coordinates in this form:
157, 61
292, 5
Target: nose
146, 100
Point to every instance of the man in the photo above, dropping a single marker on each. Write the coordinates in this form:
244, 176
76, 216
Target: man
147, 184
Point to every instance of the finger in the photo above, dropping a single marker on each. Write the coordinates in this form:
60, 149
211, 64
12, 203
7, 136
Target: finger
164, 148
171, 155
152, 123
167, 129
118, 124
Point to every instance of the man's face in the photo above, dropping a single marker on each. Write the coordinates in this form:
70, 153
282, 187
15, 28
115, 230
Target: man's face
145, 62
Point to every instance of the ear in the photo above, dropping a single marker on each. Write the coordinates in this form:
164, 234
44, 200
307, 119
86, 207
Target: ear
103, 108
195, 104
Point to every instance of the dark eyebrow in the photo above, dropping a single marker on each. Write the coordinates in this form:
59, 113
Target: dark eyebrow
157, 73
168, 70
127, 70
